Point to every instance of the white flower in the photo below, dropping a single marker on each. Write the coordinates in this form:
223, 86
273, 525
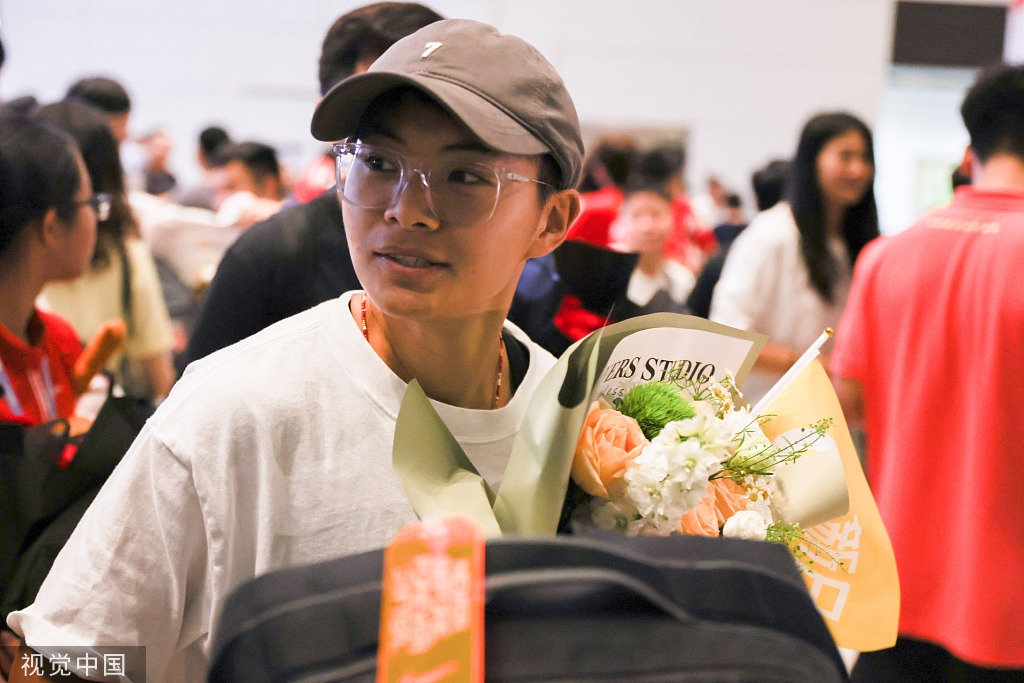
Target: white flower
612, 515
671, 475
746, 524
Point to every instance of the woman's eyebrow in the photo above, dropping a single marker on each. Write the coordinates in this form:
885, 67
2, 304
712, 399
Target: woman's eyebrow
471, 146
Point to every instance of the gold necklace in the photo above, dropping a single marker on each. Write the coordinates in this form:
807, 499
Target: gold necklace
501, 350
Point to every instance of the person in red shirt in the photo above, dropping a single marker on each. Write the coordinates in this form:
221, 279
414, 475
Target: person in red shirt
47, 232
605, 173
928, 355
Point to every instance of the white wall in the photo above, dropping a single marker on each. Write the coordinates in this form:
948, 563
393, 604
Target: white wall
919, 136
741, 75
919, 139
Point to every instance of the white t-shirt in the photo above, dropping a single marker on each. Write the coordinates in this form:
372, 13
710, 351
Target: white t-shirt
273, 452
674, 278
765, 287
94, 298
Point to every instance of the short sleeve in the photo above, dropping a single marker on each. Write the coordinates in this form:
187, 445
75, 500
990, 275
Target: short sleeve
133, 571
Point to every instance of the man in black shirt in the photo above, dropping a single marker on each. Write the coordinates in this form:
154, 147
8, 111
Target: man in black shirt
299, 258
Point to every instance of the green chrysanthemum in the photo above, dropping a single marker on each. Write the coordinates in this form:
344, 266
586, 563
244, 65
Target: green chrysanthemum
654, 405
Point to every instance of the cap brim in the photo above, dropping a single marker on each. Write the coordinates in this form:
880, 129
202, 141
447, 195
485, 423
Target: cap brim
338, 114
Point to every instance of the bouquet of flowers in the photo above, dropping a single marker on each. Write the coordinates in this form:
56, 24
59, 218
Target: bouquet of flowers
680, 456
639, 428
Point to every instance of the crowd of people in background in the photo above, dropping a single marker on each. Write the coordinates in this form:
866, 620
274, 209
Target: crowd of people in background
191, 270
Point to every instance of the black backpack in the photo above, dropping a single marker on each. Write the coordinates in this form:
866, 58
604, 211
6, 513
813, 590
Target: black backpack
603, 607
41, 501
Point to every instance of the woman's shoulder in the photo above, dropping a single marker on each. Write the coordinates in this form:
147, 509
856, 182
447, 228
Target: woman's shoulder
776, 222
771, 229
138, 253
59, 330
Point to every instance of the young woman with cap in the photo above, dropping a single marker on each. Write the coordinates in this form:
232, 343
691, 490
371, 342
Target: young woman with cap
458, 155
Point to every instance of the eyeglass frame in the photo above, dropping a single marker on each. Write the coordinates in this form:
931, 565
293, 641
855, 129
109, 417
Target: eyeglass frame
406, 169
101, 203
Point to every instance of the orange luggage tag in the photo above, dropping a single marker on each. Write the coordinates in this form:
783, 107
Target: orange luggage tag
432, 604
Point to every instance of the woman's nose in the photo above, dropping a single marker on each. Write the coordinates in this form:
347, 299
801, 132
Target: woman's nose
412, 205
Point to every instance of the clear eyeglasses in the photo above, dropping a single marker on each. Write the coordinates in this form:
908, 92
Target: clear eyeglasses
100, 203
461, 187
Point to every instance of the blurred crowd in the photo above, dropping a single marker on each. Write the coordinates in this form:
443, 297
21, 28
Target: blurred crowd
168, 263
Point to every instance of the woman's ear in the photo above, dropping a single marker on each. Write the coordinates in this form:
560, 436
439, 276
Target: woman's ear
560, 210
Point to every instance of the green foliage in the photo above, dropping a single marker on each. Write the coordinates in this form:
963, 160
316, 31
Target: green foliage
794, 538
654, 405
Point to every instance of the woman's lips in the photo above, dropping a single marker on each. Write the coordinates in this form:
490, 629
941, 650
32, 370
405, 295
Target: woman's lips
411, 261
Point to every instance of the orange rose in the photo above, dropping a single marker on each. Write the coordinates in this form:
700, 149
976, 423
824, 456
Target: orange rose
609, 442
725, 498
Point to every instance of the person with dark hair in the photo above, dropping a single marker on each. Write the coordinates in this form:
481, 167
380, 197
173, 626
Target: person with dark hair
788, 273
643, 226
608, 164
605, 174
157, 178
252, 186
121, 281
108, 96
252, 167
297, 258
769, 183
545, 305
278, 451
358, 37
665, 274
211, 141
928, 357
691, 240
47, 232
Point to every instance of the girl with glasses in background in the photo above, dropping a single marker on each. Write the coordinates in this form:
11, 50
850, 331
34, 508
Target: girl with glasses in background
121, 281
47, 233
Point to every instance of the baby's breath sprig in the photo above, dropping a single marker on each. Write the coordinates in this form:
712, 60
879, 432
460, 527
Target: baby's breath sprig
762, 458
794, 538
723, 394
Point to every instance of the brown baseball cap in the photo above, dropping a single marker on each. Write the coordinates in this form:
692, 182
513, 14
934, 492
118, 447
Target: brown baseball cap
498, 85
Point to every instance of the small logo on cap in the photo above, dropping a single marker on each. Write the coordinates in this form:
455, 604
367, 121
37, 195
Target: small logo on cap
429, 48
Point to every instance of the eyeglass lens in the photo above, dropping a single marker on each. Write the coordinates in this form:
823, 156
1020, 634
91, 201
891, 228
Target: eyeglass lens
460, 188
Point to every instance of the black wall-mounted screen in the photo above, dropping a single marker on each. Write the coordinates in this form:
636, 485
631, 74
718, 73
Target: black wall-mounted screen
945, 34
